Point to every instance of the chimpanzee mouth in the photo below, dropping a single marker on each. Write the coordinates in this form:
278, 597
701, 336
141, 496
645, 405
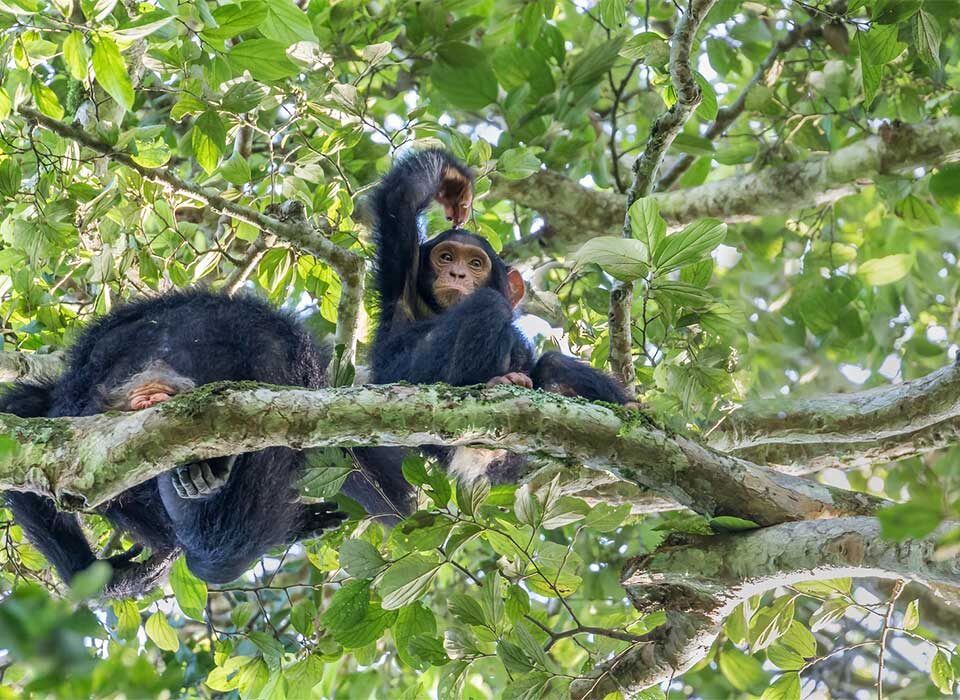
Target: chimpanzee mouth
449, 295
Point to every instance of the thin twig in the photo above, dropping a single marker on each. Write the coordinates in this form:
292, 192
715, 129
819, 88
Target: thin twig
662, 134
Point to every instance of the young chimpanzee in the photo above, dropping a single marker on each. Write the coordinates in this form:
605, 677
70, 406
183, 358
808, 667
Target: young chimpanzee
447, 310
223, 513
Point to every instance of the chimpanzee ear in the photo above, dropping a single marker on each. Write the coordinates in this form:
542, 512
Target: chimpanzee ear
515, 287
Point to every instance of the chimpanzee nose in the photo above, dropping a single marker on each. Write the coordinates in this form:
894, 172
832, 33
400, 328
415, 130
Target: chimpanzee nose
458, 274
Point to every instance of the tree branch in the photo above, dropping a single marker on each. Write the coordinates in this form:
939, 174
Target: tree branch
577, 213
86, 461
728, 115
662, 134
348, 265
29, 366
701, 582
879, 425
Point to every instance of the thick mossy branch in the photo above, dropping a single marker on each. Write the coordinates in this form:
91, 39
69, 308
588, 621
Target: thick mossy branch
700, 583
847, 430
577, 213
91, 459
30, 366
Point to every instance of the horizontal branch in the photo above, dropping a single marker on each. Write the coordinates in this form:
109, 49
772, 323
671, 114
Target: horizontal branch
348, 265
88, 460
30, 365
577, 213
701, 582
847, 430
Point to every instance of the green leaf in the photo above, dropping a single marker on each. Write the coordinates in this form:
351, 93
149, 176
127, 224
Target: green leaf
467, 610
786, 687
945, 185
361, 559
46, 99
208, 139
266, 59
128, 618
800, 639
10, 177
352, 619
236, 170
941, 673
784, 658
407, 579
324, 473
742, 671
243, 97
525, 505
518, 163
232, 20
286, 23
191, 592
708, 107
911, 616
516, 603
914, 519
688, 246
563, 511
622, 258
89, 582
514, 659
769, 624
161, 633
729, 523
877, 47
613, 13
829, 612
110, 71
151, 154
76, 55
414, 469
462, 74
926, 38
6, 105
646, 224
472, 494
604, 518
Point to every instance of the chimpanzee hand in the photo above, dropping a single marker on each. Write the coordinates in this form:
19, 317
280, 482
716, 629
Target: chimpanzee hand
515, 378
317, 517
202, 479
455, 194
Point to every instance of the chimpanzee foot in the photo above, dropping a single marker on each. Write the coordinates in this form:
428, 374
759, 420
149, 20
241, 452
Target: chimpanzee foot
515, 378
202, 479
317, 517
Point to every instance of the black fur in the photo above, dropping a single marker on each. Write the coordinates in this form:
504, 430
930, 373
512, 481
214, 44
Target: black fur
206, 337
420, 342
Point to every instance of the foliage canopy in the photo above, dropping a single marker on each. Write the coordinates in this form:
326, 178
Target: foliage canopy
503, 592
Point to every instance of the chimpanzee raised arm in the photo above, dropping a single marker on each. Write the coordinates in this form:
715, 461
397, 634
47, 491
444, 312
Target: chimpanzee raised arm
447, 312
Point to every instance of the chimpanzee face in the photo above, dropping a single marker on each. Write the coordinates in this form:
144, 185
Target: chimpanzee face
459, 270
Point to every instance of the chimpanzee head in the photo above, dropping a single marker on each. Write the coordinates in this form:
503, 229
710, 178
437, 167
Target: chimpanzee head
457, 263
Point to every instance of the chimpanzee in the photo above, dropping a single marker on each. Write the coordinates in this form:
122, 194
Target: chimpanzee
447, 311
223, 513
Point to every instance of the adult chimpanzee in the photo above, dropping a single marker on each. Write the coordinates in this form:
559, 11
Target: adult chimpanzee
447, 311
224, 513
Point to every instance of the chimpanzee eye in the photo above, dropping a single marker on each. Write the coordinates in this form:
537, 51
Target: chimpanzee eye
476, 263
446, 257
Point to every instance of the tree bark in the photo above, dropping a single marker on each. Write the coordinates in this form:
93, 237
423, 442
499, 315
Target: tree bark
577, 213
700, 583
86, 461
